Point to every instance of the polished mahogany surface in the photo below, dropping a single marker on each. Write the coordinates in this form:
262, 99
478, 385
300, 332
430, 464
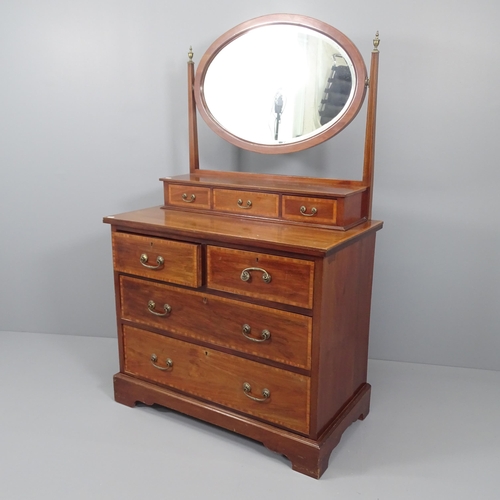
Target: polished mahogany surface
310, 240
256, 326
244, 300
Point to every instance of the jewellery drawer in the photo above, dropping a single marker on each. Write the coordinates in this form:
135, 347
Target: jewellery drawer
313, 210
189, 196
268, 333
165, 260
269, 393
246, 202
280, 279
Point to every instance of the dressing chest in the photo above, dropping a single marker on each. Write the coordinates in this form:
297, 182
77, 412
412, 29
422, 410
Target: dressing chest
244, 299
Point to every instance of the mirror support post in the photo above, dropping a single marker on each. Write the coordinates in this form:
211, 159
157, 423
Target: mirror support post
371, 119
194, 163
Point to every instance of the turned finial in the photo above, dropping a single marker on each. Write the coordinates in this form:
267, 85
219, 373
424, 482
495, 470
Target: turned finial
376, 42
190, 54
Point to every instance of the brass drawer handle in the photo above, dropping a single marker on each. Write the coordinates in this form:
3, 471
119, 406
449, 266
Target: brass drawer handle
248, 205
159, 261
246, 329
191, 198
166, 308
245, 274
168, 362
247, 388
303, 211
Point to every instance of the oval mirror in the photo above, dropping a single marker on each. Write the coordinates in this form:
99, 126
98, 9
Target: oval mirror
280, 83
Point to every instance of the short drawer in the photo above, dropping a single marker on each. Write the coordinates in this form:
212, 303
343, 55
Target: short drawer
281, 397
189, 196
269, 277
165, 260
311, 210
246, 202
261, 331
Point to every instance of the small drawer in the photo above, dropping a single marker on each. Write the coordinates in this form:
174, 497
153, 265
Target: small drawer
268, 277
165, 260
311, 210
189, 196
281, 397
246, 202
268, 333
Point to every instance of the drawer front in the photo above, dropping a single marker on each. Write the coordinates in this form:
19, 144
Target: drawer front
219, 378
269, 277
271, 334
246, 202
189, 196
156, 258
312, 210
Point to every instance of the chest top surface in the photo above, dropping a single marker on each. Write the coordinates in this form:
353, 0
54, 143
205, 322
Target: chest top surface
307, 240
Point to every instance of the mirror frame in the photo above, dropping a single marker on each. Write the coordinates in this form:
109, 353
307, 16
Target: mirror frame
325, 132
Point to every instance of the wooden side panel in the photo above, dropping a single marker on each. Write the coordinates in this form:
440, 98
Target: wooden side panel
340, 350
181, 261
291, 280
219, 321
219, 377
246, 202
350, 210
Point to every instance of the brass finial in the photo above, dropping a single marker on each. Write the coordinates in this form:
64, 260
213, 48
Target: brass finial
190, 54
376, 42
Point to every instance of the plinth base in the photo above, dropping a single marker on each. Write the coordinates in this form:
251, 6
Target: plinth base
307, 456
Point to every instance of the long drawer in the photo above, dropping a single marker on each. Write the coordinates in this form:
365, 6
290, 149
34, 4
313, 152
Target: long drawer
161, 259
269, 277
268, 333
268, 393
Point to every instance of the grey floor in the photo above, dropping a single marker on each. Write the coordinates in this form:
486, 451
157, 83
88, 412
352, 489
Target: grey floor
432, 434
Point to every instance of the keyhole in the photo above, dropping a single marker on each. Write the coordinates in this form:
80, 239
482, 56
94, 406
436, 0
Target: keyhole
257, 259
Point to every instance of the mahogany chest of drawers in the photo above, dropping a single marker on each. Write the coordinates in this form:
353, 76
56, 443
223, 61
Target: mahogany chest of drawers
258, 328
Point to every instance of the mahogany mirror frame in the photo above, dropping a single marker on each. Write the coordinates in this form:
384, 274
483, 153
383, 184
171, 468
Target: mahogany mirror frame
325, 132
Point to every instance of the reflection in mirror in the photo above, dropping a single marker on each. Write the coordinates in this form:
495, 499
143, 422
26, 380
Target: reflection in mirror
342, 155
279, 84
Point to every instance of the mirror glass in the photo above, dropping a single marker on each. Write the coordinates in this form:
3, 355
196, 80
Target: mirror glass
279, 84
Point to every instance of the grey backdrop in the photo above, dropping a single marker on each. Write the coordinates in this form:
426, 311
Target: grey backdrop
93, 112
